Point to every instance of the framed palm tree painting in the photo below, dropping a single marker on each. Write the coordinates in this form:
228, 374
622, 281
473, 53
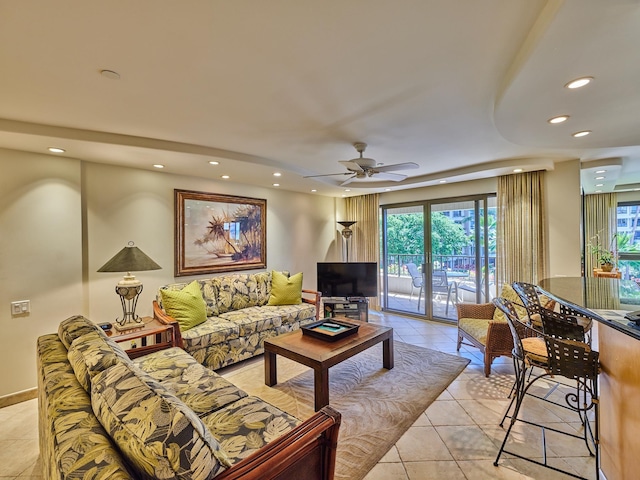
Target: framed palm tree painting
218, 233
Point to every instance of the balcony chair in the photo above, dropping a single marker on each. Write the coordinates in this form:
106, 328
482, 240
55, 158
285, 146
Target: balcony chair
440, 285
549, 354
416, 281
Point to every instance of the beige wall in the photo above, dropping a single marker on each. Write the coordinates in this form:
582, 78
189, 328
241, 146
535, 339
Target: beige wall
563, 194
40, 256
62, 219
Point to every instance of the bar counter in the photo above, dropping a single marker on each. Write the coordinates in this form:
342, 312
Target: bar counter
619, 347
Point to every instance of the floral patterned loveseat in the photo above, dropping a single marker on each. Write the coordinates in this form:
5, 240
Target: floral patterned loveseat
239, 318
163, 416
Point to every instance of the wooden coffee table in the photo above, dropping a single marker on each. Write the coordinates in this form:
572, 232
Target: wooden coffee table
321, 354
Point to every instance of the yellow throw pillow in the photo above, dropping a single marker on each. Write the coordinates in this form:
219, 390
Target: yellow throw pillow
285, 290
186, 306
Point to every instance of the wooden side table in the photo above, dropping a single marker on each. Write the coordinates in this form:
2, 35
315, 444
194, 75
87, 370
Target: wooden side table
153, 336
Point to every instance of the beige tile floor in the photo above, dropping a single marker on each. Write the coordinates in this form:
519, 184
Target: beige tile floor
457, 437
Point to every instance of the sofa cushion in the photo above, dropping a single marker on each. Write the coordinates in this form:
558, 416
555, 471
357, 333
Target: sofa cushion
510, 294
244, 426
159, 435
200, 388
253, 319
186, 306
214, 330
290, 314
92, 353
73, 443
74, 327
207, 288
476, 327
240, 291
285, 290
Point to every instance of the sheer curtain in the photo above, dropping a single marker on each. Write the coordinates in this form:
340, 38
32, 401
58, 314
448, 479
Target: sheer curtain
521, 229
365, 242
600, 225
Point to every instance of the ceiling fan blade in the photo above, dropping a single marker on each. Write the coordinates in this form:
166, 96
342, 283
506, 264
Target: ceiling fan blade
395, 177
327, 175
351, 165
348, 180
397, 166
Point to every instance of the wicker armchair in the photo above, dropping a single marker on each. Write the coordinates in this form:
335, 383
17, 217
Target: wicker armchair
477, 326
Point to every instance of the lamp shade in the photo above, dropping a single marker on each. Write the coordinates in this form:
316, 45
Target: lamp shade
130, 259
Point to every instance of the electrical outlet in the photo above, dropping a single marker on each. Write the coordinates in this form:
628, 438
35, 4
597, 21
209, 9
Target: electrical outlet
21, 307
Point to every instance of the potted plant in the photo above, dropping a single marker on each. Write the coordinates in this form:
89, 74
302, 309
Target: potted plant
607, 257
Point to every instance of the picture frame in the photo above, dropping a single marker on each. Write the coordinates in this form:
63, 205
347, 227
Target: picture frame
218, 233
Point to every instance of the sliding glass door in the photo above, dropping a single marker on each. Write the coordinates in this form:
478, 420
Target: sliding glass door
429, 266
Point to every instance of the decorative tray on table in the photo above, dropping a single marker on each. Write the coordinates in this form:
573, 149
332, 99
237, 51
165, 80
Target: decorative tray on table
330, 329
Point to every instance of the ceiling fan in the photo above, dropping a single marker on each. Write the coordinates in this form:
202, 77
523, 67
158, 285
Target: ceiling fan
366, 167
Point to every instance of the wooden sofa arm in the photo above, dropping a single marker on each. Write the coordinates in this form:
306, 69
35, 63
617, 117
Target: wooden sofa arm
476, 310
314, 300
165, 319
306, 452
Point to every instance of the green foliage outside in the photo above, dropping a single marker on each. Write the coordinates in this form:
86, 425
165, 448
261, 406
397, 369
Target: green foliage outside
405, 235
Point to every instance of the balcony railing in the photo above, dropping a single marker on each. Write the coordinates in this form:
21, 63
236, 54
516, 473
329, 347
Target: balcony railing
397, 262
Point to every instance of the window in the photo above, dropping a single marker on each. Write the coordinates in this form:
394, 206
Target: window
628, 239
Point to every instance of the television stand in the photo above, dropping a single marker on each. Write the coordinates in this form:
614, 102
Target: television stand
350, 307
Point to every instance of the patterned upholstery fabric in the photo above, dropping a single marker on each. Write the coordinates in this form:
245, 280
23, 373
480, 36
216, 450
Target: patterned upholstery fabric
73, 444
239, 318
200, 388
247, 425
242, 290
159, 435
92, 353
214, 330
74, 327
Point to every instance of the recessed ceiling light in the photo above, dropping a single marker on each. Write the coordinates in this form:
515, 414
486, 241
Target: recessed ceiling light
601, 171
276, 184
157, 165
226, 177
277, 174
598, 191
582, 133
110, 74
517, 170
559, 119
213, 162
343, 195
579, 82
56, 150
599, 184
387, 189
600, 178
314, 190
442, 181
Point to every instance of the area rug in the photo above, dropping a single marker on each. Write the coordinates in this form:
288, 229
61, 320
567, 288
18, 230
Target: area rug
377, 405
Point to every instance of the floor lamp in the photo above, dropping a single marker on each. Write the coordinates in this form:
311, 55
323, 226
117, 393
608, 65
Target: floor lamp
346, 234
129, 259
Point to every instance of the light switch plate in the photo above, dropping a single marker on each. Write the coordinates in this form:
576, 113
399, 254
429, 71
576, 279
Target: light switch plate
21, 307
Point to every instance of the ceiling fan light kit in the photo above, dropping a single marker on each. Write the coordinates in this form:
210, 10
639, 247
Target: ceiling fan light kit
362, 168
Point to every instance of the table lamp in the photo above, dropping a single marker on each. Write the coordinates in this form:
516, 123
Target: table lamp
129, 259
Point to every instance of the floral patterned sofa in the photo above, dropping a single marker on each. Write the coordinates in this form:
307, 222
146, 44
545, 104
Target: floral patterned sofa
163, 415
239, 318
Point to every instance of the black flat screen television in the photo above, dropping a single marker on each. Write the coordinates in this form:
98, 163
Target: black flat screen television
348, 279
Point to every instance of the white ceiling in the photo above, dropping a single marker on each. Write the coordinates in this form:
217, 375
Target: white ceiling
464, 88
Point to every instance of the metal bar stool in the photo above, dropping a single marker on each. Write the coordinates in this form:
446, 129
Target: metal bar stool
561, 357
537, 300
